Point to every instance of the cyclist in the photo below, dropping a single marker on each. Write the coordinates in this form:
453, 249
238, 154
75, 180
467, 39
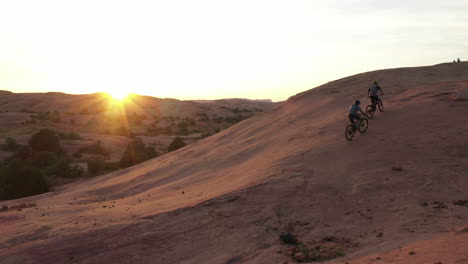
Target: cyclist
372, 93
353, 112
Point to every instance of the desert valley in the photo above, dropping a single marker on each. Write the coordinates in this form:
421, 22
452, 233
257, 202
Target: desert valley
256, 182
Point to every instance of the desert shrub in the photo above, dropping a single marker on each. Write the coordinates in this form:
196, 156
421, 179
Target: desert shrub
3, 187
287, 238
69, 135
217, 119
95, 148
182, 125
64, 168
176, 143
10, 144
45, 140
111, 166
23, 152
183, 131
77, 155
190, 121
98, 165
136, 152
95, 166
43, 159
160, 130
22, 182
52, 164
235, 110
183, 128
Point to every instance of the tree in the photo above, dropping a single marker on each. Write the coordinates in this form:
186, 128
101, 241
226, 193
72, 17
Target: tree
10, 144
177, 143
136, 152
22, 182
45, 140
95, 166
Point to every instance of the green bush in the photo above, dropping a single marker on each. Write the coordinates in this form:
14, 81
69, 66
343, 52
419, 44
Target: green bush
22, 182
23, 152
287, 238
43, 159
95, 166
176, 143
98, 166
65, 169
136, 152
45, 140
183, 132
95, 148
10, 145
69, 135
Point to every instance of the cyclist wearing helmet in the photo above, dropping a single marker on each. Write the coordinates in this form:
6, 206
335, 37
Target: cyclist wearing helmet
353, 112
372, 93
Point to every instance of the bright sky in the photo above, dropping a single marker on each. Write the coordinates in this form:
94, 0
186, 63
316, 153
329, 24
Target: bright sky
219, 49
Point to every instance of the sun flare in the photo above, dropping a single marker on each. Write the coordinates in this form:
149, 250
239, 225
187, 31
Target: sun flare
118, 95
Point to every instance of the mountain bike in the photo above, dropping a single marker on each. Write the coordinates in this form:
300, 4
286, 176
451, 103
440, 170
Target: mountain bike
372, 108
360, 125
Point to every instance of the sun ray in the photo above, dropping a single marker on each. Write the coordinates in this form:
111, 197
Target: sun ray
118, 94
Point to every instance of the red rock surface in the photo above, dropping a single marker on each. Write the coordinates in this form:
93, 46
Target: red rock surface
226, 198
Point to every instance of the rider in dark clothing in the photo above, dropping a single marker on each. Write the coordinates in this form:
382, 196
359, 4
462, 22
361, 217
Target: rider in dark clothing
372, 93
353, 112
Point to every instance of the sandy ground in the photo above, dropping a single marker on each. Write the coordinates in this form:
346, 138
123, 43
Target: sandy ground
399, 188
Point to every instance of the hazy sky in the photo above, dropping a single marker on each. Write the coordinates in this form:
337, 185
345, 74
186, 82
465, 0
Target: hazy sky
219, 49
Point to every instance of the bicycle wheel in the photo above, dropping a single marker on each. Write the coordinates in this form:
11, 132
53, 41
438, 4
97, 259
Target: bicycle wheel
363, 125
349, 132
370, 111
380, 105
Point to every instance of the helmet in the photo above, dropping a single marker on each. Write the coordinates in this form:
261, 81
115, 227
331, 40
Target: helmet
376, 82
357, 102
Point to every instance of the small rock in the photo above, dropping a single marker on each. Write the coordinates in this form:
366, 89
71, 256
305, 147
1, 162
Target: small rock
397, 168
411, 253
380, 234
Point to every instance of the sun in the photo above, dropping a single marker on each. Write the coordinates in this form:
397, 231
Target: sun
118, 95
